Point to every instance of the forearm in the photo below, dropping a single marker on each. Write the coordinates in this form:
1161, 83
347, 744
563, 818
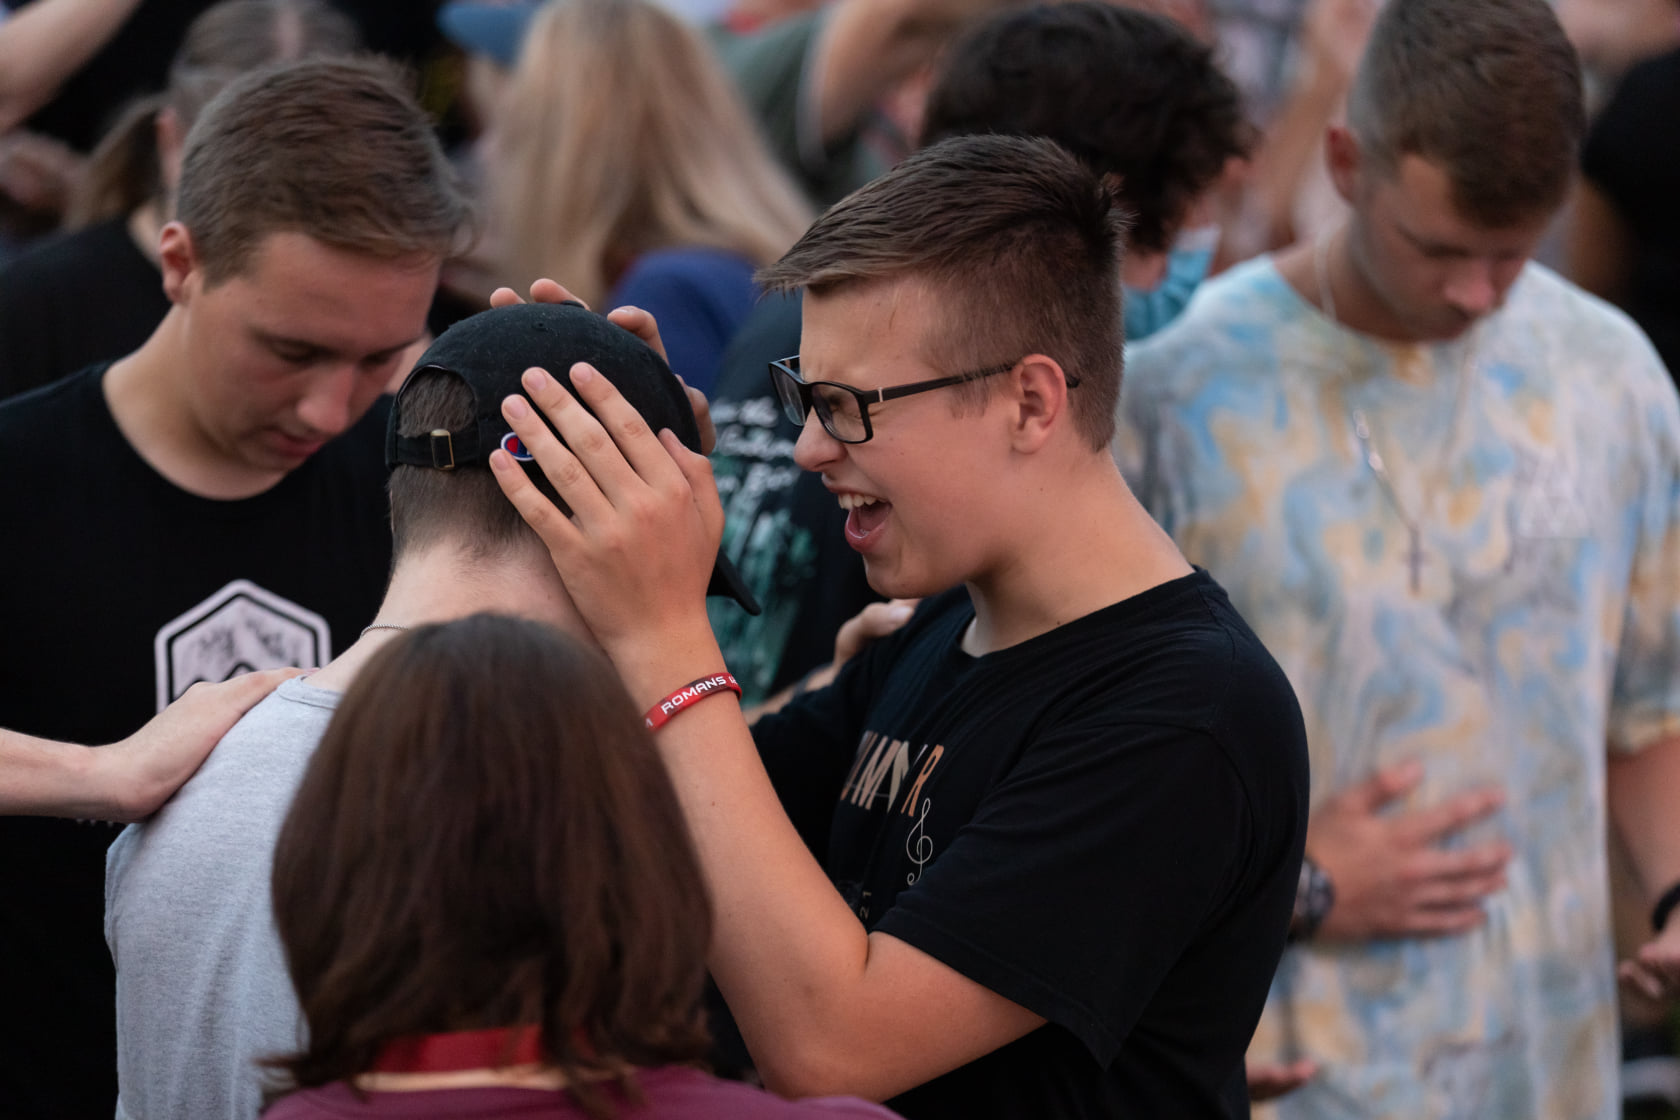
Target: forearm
39, 777
787, 953
1644, 789
45, 43
870, 46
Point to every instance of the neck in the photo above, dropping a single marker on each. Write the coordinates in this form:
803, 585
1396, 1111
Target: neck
444, 582
149, 400
1093, 547
1325, 273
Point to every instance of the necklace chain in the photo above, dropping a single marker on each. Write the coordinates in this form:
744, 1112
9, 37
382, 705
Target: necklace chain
1362, 430
382, 626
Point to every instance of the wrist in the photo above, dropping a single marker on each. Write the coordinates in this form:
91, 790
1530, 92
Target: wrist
1315, 894
1663, 912
651, 667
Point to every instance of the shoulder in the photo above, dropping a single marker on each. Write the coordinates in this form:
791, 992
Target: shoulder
685, 1089
1228, 331
696, 264
55, 416
1591, 342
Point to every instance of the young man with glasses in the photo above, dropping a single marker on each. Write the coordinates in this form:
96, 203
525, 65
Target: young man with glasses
1052, 828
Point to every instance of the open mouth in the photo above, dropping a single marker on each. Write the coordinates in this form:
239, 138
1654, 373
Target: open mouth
865, 515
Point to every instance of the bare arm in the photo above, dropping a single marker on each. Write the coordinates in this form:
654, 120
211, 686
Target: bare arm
1644, 789
825, 1007
869, 46
45, 43
131, 779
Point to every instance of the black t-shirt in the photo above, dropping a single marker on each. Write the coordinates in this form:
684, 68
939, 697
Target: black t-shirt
1103, 824
73, 300
785, 533
1630, 155
119, 591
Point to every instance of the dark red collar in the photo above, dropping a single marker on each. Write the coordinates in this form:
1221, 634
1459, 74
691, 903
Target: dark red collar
453, 1051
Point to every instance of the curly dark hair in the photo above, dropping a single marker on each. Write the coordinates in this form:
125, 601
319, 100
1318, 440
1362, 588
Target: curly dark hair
1131, 93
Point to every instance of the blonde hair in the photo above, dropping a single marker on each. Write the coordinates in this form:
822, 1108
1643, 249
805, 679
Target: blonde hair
620, 133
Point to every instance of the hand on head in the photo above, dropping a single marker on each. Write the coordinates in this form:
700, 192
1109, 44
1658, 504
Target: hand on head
638, 551
633, 319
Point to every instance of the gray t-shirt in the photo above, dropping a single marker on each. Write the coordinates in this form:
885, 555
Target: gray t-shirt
202, 987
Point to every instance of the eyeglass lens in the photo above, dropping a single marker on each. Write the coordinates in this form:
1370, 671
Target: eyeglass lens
837, 410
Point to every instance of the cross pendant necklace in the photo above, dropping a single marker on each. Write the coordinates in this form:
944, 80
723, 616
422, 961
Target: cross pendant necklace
1414, 532
1415, 555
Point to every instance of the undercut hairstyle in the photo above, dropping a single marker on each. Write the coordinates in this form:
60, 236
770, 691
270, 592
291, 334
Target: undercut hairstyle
1019, 242
1488, 91
1131, 93
224, 42
463, 507
336, 149
487, 837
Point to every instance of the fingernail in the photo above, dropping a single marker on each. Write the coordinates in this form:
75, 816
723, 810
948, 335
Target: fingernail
582, 374
515, 406
500, 460
535, 379
901, 611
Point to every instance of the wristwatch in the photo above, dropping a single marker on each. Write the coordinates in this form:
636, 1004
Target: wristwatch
1314, 895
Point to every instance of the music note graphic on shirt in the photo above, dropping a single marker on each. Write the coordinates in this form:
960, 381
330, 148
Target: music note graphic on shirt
917, 845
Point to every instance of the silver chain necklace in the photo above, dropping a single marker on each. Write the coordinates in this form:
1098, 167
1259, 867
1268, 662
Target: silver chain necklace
1362, 431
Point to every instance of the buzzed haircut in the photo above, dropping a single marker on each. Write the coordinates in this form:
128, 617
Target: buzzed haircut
1018, 240
1489, 91
1132, 93
336, 149
463, 507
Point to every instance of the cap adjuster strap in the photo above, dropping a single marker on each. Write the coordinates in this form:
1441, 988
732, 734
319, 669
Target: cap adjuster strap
442, 441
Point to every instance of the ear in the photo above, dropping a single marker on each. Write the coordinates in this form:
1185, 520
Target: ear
1041, 402
171, 143
1345, 161
178, 258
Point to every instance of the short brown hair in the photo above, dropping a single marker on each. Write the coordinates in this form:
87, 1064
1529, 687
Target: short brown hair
336, 149
1132, 93
464, 506
1020, 240
486, 837
1490, 91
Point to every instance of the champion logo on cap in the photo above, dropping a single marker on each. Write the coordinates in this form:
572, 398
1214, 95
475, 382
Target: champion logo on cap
511, 444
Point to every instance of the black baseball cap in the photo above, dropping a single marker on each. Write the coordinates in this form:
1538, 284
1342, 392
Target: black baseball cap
489, 351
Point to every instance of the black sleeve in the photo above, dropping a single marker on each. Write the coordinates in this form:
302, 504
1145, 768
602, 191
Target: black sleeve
1085, 873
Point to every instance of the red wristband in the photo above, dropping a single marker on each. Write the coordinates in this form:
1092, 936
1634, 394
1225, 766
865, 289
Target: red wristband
660, 714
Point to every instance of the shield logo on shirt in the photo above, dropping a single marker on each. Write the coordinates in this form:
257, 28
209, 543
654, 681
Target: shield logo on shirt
239, 629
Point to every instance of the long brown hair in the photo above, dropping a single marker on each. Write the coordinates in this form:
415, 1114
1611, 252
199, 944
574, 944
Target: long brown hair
486, 837
621, 133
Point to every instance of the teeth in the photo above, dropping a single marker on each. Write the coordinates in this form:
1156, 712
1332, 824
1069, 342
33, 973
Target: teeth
854, 501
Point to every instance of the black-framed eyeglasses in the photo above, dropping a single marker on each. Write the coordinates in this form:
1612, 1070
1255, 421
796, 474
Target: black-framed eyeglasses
844, 410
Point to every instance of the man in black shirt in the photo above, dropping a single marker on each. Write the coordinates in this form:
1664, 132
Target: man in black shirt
1060, 815
1132, 93
191, 512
